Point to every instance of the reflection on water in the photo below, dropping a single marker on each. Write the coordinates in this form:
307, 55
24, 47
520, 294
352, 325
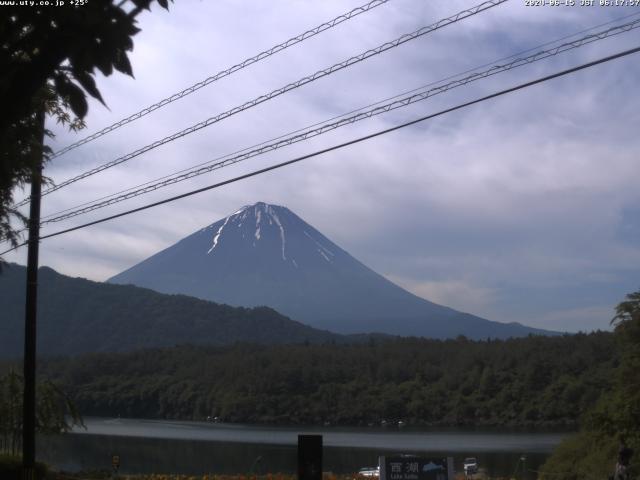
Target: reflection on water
195, 448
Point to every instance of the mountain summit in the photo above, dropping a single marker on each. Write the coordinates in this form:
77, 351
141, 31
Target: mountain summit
266, 255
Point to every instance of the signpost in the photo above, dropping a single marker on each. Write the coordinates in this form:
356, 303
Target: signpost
115, 463
309, 457
411, 467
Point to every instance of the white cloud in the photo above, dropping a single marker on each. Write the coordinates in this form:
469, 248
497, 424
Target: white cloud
519, 192
459, 294
583, 319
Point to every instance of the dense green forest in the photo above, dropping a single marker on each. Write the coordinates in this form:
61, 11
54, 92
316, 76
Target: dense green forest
528, 381
79, 316
613, 422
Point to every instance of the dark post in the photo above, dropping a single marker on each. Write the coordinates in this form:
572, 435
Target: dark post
29, 399
309, 457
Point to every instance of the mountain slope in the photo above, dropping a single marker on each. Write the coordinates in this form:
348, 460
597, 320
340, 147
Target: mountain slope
266, 255
77, 315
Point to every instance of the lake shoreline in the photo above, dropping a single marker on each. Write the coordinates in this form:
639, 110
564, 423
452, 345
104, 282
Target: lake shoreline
198, 448
535, 428
359, 437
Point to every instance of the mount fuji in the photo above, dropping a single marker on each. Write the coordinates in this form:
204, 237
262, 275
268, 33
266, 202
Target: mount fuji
266, 255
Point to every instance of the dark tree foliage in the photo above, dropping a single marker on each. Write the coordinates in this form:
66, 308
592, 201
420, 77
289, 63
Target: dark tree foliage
48, 58
55, 413
535, 381
615, 419
79, 316
626, 313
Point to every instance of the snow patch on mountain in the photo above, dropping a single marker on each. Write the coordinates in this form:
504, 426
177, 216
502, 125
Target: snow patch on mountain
324, 255
322, 250
215, 239
275, 218
258, 217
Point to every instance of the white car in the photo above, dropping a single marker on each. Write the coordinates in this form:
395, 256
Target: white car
369, 472
470, 466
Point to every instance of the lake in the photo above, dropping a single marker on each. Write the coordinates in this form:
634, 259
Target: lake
162, 446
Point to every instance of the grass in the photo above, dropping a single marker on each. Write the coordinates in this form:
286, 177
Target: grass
270, 476
156, 476
11, 468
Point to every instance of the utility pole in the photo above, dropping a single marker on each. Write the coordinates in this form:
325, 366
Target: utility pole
29, 399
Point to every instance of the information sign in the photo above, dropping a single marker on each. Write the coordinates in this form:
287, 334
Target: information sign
410, 467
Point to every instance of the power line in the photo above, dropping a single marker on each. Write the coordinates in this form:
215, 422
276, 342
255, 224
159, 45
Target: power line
342, 145
512, 56
280, 91
265, 147
414, 96
225, 73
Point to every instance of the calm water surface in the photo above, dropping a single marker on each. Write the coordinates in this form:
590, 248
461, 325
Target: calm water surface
199, 447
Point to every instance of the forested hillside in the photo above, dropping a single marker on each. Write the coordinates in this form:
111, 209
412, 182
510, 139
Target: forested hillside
612, 425
528, 381
79, 316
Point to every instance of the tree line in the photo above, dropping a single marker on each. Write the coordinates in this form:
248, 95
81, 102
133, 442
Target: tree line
533, 381
55, 412
608, 443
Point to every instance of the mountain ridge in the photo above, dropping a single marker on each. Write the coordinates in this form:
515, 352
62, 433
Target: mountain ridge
77, 316
266, 255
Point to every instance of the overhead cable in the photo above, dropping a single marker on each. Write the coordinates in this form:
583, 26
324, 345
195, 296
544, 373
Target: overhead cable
280, 91
379, 102
341, 145
224, 73
304, 134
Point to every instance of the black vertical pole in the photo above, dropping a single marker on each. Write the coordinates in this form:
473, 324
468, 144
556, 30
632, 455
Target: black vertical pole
309, 457
29, 399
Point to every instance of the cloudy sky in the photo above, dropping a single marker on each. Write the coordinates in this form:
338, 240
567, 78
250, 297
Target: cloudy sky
524, 208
